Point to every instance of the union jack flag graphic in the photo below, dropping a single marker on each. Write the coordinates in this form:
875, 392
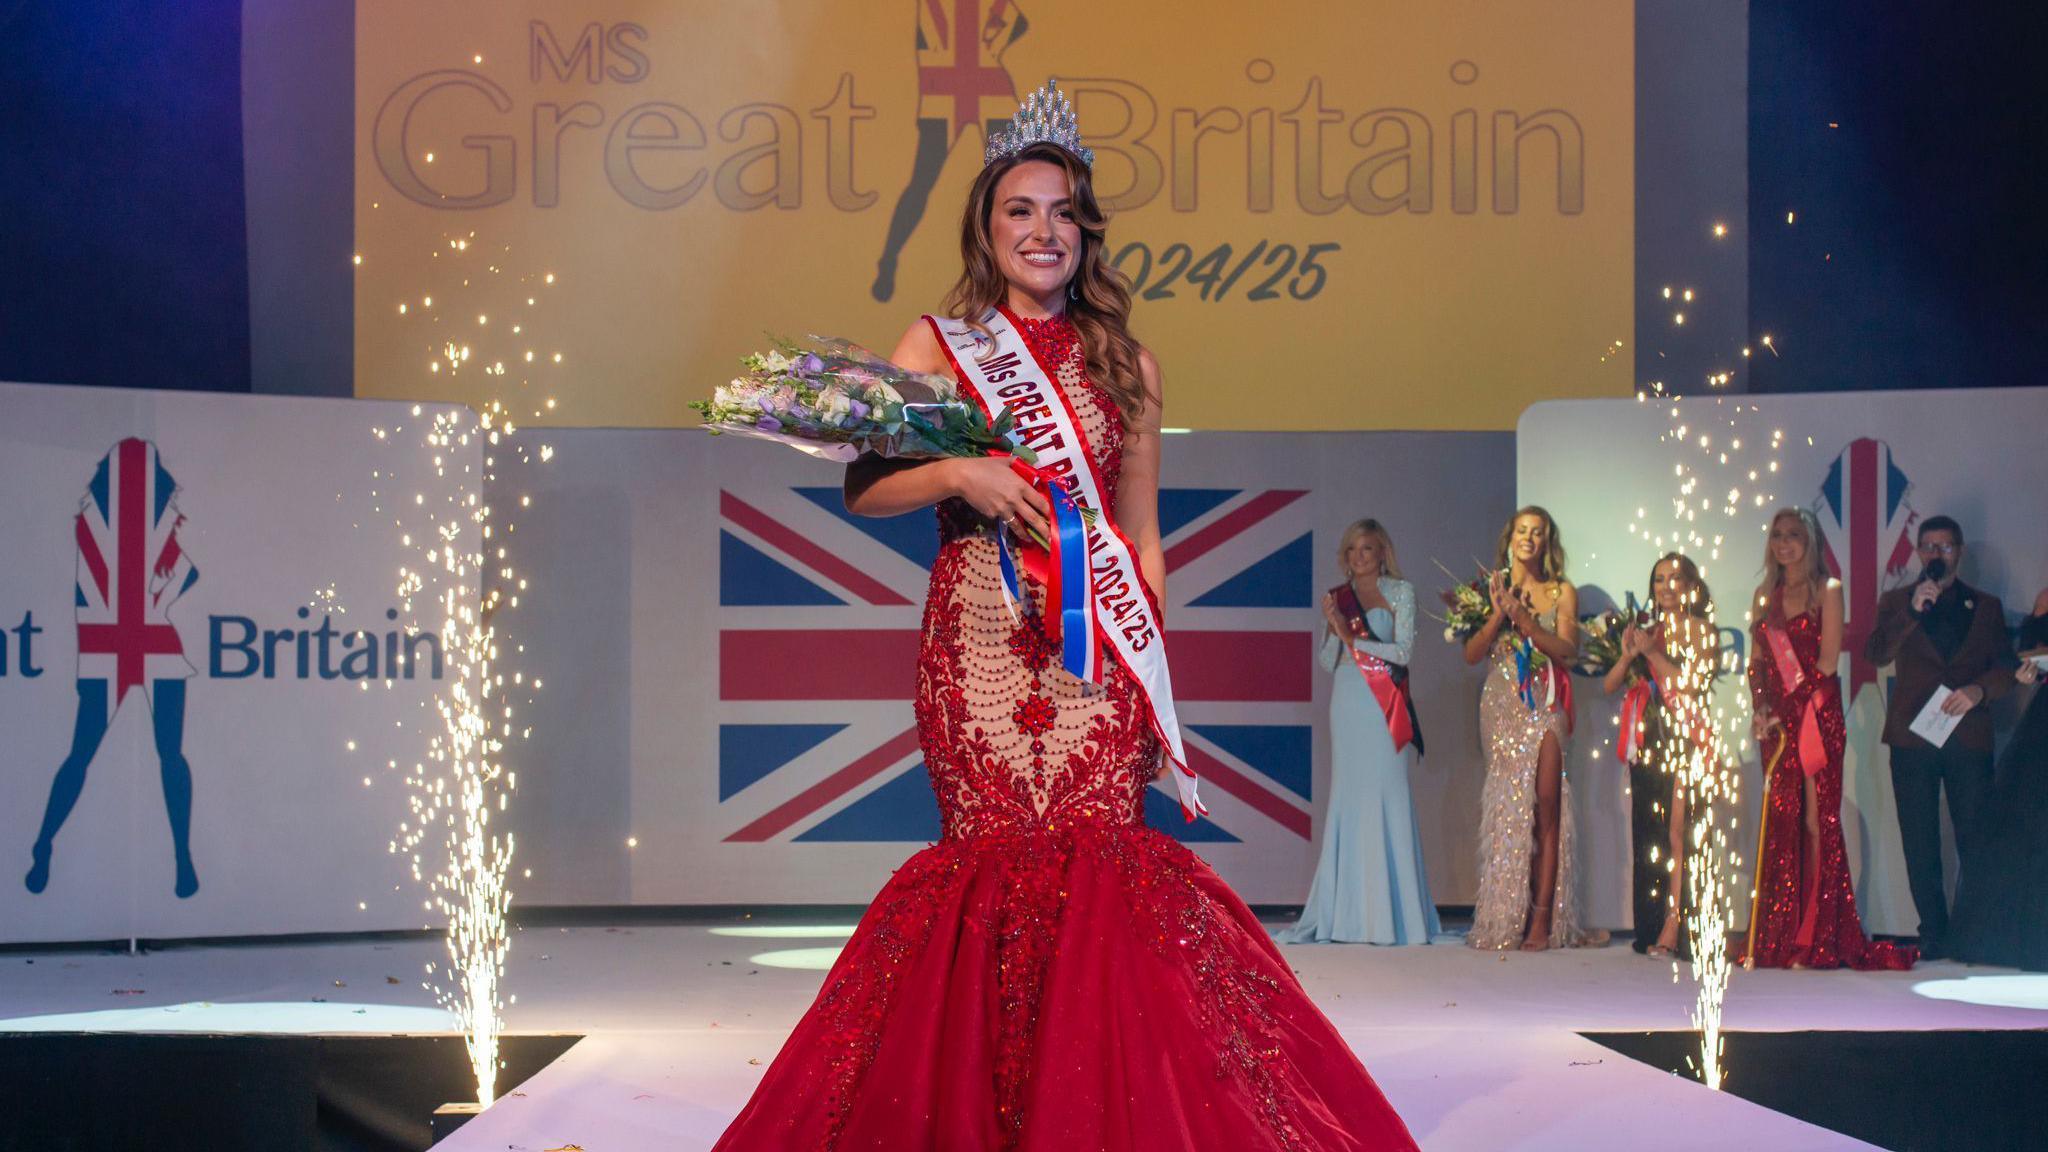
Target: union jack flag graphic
1867, 536
960, 45
130, 571
820, 613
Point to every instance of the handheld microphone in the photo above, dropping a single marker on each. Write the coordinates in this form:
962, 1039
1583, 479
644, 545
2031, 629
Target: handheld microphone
1935, 570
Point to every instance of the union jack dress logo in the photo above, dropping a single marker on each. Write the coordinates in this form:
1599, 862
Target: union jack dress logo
1866, 525
131, 569
820, 613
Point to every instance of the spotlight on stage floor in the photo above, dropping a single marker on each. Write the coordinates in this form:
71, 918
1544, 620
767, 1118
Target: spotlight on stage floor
788, 931
811, 959
2020, 990
263, 1019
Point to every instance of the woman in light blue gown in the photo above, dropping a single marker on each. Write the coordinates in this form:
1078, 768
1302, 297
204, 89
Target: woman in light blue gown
1370, 886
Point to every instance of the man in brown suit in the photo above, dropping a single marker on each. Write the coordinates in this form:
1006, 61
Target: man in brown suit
1940, 632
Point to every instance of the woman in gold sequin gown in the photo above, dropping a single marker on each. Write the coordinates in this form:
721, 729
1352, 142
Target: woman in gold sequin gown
1053, 975
1528, 875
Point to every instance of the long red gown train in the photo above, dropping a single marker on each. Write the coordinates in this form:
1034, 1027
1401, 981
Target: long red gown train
1053, 976
1806, 921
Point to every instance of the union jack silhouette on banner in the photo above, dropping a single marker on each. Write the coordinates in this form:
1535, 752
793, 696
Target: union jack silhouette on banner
818, 635
1867, 529
130, 570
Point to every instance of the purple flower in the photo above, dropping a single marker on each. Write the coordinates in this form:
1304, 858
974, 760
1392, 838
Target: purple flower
765, 403
810, 365
855, 410
768, 424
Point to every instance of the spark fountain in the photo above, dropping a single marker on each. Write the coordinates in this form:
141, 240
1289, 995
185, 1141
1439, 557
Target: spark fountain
461, 574
1721, 471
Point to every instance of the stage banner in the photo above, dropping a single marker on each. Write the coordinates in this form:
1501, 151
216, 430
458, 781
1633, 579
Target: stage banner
731, 658
209, 696
1430, 205
1871, 467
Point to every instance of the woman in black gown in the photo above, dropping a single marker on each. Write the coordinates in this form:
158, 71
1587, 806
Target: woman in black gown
2001, 913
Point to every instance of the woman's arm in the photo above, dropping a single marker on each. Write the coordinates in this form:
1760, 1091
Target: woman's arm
878, 487
1618, 675
1662, 666
1137, 488
1330, 651
1401, 649
1831, 628
1563, 644
1759, 666
1480, 643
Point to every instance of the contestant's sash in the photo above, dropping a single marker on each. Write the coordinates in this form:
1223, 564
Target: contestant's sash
1389, 691
1635, 718
1813, 752
1009, 375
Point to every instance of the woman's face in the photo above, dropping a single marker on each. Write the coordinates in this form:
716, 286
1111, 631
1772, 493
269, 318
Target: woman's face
1788, 542
1032, 230
1530, 540
1362, 559
1669, 588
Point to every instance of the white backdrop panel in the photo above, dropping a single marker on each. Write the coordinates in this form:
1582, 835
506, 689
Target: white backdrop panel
281, 516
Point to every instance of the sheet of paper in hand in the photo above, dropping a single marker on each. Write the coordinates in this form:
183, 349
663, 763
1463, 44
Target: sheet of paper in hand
1932, 724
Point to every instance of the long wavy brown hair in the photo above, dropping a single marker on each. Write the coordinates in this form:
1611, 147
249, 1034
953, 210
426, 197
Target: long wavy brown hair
1553, 548
1700, 603
1099, 297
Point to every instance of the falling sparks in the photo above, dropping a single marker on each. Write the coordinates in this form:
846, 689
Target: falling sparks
1717, 460
462, 784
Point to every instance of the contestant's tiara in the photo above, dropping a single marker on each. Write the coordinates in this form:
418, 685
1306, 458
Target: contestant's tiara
1044, 117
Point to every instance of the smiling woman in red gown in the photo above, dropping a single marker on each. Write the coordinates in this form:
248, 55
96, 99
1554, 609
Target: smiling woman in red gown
1052, 975
1805, 906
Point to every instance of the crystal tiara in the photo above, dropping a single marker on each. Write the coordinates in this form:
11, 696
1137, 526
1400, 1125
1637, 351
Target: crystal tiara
1045, 116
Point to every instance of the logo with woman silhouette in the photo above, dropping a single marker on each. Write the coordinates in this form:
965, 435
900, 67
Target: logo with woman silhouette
131, 569
961, 84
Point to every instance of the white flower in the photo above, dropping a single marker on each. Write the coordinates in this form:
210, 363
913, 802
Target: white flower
833, 405
1450, 636
774, 362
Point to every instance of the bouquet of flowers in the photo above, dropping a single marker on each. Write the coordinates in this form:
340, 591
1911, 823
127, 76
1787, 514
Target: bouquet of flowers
834, 399
1466, 607
1600, 641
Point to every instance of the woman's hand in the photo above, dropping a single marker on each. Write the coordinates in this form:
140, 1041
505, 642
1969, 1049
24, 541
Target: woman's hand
1633, 643
1338, 624
1761, 723
1000, 494
2028, 672
1502, 597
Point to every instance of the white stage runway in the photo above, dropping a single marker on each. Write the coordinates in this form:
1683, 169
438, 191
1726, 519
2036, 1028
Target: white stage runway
1477, 1051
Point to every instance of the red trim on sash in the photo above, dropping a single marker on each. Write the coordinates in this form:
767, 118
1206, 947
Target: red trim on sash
1391, 694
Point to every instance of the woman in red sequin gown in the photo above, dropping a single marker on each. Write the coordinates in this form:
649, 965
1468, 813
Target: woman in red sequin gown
1052, 975
1805, 908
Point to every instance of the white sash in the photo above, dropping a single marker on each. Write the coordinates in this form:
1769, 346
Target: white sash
1010, 376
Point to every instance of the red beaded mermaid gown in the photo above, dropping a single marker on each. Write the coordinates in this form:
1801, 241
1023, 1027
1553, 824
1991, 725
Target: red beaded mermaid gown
1807, 921
1053, 975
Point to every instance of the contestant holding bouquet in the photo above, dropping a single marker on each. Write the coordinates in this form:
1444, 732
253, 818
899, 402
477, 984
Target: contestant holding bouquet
1052, 975
1664, 672
1528, 875
1369, 887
